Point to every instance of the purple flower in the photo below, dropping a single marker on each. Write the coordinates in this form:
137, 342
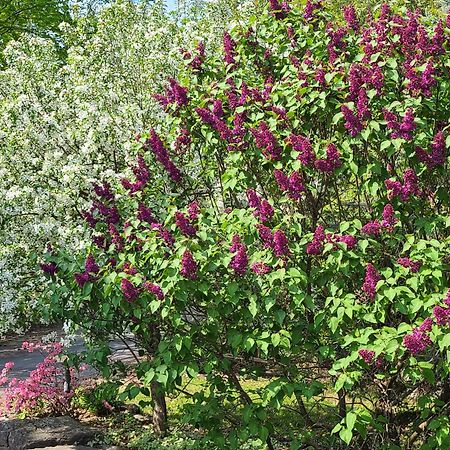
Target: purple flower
90, 265
184, 224
162, 155
260, 268
183, 140
263, 209
116, 238
193, 211
302, 145
235, 243
229, 47
145, 214
104, 191
239, 262
409, 263
49, 268
389, 219
189, 268
372, 228
442, 315
209, 118
315, 247
427, 324
266, 235
417, 341
266, 141
447, 298
350, 17
370, 282
129, 290
366, 355
348, 240
437, 155
280, 244
155, 290
81, 278
331, 162
352, 123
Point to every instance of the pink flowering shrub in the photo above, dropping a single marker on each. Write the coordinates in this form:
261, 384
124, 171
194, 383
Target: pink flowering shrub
289, 216
42, 392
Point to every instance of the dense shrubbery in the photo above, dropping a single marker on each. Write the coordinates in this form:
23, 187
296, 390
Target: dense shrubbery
66, 122
297, 229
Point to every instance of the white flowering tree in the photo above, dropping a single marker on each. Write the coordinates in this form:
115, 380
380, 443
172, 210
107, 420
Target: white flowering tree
65, 123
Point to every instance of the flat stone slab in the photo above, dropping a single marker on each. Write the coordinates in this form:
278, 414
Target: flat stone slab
44, 433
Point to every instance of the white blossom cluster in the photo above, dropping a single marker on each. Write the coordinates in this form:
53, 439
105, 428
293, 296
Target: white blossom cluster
66, 123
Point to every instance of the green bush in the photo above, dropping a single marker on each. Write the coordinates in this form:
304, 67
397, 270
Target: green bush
288, 220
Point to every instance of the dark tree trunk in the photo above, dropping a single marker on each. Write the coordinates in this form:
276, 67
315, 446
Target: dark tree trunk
159, 409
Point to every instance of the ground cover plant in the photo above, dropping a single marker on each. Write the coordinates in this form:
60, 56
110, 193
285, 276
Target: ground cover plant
287, 219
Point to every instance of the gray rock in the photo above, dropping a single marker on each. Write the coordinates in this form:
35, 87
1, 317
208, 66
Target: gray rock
43, 433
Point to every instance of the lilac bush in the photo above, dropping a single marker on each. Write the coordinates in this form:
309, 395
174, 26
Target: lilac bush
316, 255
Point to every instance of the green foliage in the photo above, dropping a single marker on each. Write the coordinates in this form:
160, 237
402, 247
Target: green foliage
101, 399
37, 17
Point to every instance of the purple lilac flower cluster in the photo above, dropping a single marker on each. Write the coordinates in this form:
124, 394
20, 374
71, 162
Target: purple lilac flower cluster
352, 122
266, 141
303, 146
142, 174
374, 227
129, 290
409, 187
366, 355
91, 268
437, 155
279, 10
154, 289
408, 263
331, 162
260, 268
162, 155
403, 129
174, 94
189, 267
239, 262
370, 281
263, 209
293, 185
229, 47
185, 225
